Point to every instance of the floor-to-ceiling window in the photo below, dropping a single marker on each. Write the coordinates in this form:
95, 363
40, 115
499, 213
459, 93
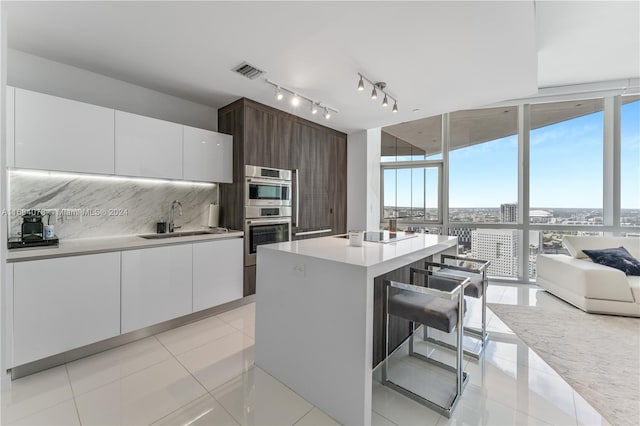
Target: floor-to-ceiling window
630, 163
412, 182
566, 173
482, 168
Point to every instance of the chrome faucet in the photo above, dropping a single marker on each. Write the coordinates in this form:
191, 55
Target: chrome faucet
174, 204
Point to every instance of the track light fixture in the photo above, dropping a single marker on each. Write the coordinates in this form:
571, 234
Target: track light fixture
297, 98
375, 87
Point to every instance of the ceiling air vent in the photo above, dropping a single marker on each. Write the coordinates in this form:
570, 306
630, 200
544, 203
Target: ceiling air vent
248, 70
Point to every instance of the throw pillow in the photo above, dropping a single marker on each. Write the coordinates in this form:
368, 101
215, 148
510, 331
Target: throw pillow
618, 258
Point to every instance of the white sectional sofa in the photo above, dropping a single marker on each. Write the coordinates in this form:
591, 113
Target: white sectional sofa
590, 286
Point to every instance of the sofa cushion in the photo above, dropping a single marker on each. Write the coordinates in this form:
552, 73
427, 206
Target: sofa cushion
618, 258
576, 244
584, 277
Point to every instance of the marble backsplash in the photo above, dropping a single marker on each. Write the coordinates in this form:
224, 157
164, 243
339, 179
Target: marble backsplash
86, 206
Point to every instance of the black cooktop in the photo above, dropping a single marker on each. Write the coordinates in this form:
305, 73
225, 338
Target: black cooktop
386, 236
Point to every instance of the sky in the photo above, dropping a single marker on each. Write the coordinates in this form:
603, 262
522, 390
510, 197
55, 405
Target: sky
565, 168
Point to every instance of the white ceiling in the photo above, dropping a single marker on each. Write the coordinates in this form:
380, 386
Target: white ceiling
434, 56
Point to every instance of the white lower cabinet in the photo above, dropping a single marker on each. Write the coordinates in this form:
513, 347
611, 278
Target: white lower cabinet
156, 285
61, 304
217, 272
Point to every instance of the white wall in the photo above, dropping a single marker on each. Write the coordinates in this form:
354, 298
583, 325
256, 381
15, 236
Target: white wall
363, 179
54, 78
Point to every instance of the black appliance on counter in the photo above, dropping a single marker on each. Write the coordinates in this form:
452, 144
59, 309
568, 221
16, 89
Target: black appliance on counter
32, 232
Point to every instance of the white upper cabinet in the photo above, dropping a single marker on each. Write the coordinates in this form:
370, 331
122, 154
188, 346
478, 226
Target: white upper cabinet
208, 156
53, 133
148, 147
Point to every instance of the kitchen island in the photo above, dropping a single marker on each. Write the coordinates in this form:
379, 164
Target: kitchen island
319, 315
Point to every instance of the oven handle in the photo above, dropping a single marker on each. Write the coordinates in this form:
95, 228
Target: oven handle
267, 221
273, 182
296, 172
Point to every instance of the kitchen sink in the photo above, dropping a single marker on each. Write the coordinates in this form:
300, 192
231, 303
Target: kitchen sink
177, 234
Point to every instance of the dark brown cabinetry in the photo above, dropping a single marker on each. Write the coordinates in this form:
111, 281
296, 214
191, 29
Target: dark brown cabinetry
264, 136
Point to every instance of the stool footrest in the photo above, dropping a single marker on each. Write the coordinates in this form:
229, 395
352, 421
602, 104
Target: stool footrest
445, 411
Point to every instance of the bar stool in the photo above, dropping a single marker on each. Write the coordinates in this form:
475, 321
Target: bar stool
476, 271
440, 309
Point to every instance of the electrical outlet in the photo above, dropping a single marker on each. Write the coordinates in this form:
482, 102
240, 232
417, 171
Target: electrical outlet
299, 269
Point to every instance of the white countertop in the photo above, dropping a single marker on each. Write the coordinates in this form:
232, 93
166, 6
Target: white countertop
370, 254
82, 246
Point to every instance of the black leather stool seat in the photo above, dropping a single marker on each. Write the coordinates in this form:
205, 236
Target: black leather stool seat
474, 289
435, 312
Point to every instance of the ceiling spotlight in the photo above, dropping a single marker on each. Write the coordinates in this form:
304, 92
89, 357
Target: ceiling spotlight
298, 99
378, 86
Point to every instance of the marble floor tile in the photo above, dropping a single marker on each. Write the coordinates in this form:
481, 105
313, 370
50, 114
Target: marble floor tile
378, 420
204, 411
221, 360
242, 318
31, 394
190, 336
316, 417
140, 398
63, 414
399, 409
487, 412
105, 367
256, 398
543, 396
586, 414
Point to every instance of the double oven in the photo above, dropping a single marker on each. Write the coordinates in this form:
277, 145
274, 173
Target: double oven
267, 208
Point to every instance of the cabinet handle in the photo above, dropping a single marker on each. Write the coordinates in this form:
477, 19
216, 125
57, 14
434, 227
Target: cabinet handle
297, 173
319, 231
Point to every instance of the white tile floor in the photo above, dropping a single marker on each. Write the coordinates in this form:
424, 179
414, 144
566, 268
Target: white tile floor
203, 374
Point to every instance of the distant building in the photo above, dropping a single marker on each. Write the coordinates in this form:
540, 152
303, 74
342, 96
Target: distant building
464, 237
500, 247
509, 213
540, 216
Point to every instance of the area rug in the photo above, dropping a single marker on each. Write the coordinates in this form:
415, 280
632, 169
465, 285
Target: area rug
598, 355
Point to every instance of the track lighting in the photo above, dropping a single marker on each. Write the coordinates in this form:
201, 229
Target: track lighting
375, 87
297, 98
